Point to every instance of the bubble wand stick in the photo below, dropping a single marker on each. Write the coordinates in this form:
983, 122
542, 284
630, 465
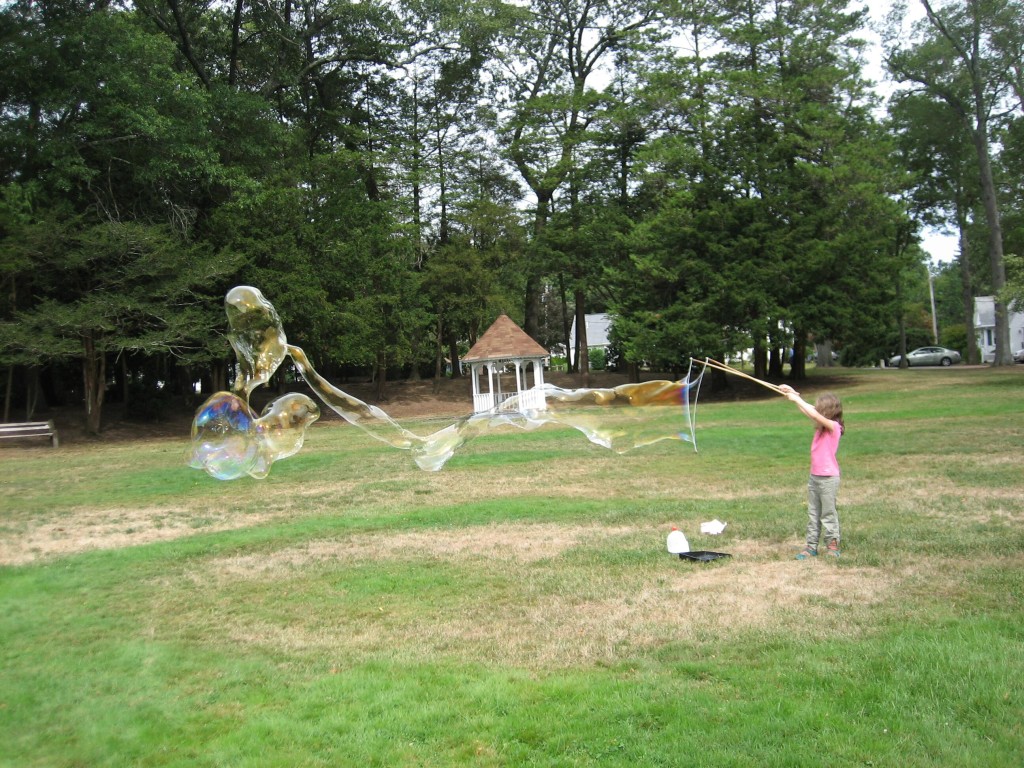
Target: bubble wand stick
726, 369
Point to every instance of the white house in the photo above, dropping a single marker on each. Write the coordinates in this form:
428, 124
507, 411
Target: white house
598, 328
985, 327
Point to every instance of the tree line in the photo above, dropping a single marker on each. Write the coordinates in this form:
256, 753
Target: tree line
718, 174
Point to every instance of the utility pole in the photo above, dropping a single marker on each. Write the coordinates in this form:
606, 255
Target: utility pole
931, 292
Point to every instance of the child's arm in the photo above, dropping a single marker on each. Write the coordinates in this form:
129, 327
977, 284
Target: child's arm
809, 410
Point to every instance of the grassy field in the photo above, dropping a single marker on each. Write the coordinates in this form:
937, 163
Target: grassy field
518, 608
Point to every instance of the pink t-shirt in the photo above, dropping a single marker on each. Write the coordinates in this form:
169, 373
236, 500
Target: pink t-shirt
823, 451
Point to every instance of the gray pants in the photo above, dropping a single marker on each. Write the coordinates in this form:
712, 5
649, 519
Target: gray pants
821, 509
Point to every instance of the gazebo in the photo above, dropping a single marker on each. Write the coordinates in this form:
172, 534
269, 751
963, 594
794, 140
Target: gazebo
502, 351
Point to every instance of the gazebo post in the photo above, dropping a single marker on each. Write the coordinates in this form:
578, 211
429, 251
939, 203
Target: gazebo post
474, 374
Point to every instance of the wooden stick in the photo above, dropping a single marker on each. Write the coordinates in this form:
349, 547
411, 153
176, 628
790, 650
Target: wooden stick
726, 369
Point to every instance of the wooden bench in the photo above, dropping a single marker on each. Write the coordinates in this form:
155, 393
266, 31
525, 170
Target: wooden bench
30, 429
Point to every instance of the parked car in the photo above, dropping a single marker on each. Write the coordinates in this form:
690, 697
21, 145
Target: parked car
1018, 356
928, 356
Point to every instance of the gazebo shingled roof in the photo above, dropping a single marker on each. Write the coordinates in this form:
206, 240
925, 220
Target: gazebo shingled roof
502, 341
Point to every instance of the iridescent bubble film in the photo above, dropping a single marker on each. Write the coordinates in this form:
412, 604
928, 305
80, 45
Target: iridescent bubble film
256, 336
224, 439
229, 441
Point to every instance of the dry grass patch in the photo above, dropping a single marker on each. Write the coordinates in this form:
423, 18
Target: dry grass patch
545, 614
988, 460
93, 529
934, 495
503, 543
395, 486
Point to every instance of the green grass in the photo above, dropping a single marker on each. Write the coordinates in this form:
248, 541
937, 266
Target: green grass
518, 607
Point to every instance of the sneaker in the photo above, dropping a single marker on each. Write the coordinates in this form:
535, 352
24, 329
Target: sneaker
808, 552
833, 548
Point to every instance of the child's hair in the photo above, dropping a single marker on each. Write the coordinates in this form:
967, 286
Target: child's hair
829, 406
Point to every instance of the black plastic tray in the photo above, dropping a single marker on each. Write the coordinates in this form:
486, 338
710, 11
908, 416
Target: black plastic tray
702, 555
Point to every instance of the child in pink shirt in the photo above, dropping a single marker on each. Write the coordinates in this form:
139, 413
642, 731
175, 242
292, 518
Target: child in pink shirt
823, 485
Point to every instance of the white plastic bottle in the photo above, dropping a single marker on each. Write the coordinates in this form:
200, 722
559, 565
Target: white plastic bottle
677, 542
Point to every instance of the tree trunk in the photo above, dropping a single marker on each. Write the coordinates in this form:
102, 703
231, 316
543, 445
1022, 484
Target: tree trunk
124, 382
531, 300
453, 353
581, 336
32, 391
995, 234
236, 31
219, 378
382, 374
94, 379
760, 356
798, 364
7, 392
531, 319
439, 355
967, 290
571, 358
823, 354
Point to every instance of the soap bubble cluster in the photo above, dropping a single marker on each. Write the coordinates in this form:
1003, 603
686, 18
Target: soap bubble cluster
229, 441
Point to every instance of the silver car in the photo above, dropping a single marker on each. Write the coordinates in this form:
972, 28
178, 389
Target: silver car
928, 356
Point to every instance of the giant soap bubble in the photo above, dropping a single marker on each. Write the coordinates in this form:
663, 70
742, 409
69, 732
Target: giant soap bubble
229, 441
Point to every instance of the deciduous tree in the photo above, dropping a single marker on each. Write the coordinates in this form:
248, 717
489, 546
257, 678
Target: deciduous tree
963, 54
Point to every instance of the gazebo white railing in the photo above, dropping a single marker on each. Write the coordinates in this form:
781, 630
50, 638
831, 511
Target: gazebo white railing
525, 397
